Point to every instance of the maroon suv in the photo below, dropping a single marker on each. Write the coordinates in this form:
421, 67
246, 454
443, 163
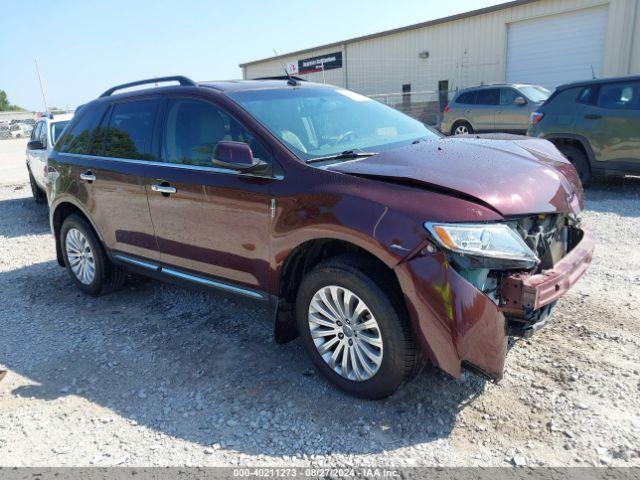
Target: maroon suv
375, 240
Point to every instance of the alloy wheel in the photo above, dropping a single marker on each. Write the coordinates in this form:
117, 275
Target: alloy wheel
80, 256
345, 333
461, 130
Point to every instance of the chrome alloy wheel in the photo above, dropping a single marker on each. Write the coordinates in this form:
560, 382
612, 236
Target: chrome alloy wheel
461, 130
80, 256
346, 333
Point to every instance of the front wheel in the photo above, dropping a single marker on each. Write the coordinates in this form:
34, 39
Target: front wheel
354, 331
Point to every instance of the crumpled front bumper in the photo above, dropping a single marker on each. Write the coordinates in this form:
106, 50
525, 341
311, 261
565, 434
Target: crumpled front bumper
454, 322
526, 299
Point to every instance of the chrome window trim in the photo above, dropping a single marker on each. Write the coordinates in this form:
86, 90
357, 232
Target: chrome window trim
192, 278
226, 171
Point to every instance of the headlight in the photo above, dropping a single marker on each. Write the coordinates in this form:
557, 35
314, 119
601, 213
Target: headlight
492, 245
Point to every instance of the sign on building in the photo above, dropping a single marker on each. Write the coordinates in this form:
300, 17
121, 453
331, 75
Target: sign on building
292, 68
322, 62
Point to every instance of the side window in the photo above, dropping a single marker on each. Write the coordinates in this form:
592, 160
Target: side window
79, 137
42, 133
193, 128
467, 98
35, 133
508, 96
587, 95
488, 96
130, 130
623, 95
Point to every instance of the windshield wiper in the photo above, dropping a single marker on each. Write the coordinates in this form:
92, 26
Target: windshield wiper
347, 154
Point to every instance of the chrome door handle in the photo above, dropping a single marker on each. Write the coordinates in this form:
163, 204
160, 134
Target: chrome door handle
163, 189
88, 176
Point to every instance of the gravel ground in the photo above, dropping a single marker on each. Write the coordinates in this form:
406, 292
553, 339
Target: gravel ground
12, 161
161, 375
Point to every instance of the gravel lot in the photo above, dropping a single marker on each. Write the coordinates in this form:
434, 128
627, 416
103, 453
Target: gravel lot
12, 161
162, 375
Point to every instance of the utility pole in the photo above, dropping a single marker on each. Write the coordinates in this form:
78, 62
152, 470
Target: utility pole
44, 99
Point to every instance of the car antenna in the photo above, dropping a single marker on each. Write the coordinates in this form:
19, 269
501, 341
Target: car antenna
592, 72
290, 80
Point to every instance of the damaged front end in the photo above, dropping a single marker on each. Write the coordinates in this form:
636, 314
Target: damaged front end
565, 252
526, 296
494, 288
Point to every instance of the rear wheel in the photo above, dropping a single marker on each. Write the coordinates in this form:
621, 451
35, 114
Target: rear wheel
354, 331
579, 161
461, 128
85, 258
38, 195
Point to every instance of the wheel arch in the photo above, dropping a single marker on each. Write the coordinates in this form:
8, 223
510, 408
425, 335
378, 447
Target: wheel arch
58, 214
575, 140
302, 259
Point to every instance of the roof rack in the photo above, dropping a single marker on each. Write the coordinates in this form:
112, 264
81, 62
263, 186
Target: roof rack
282, 77
184, 81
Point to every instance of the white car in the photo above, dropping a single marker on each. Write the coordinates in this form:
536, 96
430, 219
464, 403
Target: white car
45, 134
20, 130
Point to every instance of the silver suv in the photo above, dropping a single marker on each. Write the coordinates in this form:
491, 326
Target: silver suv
493, 108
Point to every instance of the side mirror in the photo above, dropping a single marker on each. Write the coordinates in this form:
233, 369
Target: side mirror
520, 101
236, 156
35, 145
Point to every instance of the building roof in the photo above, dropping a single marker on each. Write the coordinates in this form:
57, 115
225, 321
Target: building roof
451, 18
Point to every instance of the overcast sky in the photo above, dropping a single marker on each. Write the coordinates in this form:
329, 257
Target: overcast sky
85, 47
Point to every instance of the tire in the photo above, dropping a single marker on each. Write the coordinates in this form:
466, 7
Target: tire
38, 195
461, 128
76, 235
399, 357
579, 161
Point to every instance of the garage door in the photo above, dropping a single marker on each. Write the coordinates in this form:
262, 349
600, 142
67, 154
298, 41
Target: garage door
557, 49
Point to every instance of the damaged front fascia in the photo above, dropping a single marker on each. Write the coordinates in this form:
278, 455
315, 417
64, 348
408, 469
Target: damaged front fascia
523, 293
453, 320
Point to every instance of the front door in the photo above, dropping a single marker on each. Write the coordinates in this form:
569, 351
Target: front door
510, 116
38, 157
211, 222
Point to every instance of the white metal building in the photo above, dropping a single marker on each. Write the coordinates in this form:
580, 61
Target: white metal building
548, 42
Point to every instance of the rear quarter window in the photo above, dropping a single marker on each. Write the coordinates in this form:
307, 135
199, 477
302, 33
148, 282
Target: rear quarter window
467, 98
562, 102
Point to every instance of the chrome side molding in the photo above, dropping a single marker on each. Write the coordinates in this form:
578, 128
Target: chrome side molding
192, 278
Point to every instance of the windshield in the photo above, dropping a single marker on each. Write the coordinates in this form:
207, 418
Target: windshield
320, 122
56, 130
535, 93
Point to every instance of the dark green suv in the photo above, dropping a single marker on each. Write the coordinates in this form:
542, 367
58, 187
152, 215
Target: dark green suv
595, 124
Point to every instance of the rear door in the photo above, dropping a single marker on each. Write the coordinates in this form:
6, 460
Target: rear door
611, 122
107, 151
215, 222
484, 111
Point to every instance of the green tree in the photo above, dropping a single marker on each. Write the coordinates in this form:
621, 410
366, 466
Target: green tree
5, 106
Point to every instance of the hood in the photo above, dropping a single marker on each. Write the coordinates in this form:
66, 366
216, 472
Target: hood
513, 175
